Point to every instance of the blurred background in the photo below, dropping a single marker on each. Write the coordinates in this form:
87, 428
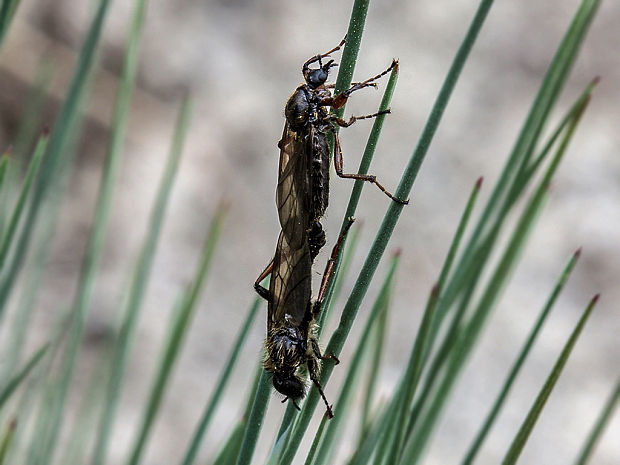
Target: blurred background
240, 61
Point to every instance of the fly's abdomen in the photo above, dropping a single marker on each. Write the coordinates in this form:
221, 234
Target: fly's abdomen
320, 175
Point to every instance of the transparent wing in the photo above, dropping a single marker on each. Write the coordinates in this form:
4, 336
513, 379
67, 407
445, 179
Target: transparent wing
290, 285
293, 193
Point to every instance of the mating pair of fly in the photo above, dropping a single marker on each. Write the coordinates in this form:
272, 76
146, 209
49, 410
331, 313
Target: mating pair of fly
301, 196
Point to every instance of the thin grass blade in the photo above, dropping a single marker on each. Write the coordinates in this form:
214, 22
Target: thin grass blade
528, 425
181, 322
255, 419
7, 440
59, 154
391, 218
139, 284
341, 407
33, 169
599, 426
497, 405
229, 451
553, 82
9, 388
417, 441
7, 11
207, 415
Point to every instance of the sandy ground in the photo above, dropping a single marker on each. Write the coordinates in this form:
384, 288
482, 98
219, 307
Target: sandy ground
240, 61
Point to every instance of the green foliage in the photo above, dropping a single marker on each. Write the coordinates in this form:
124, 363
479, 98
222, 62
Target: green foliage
396, 430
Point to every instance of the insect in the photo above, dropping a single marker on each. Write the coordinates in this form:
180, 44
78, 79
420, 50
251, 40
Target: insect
291, 318
302, 192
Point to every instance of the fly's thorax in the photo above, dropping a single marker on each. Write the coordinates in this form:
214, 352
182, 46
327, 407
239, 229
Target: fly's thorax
285, 349
298, 108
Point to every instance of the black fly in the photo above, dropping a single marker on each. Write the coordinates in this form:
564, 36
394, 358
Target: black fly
302, 196
302, 193
291, 321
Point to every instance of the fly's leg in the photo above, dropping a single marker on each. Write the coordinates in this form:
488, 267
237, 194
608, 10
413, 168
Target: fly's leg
313, 372
262, 291
338, 164
306, 67
338, 101
333, 85
317, 352
345, 124
293, 401
330, 268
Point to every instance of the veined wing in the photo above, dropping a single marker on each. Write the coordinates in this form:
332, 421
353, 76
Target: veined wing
293, 193
291, 281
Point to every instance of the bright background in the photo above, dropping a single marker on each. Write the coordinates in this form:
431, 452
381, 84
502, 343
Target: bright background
240, 60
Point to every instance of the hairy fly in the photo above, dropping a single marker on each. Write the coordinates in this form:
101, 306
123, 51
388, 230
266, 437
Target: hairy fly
291, 321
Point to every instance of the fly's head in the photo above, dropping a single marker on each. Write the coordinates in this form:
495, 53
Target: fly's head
289, 385
316, 77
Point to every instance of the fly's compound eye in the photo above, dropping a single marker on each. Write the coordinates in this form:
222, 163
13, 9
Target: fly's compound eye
290, 386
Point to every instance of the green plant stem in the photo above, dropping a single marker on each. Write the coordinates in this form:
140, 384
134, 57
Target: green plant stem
181, 322
139, 284
209, 410
10, 387
599, 426
495, 409
255, 420
528, 424
341, 407
59, 153
33, 168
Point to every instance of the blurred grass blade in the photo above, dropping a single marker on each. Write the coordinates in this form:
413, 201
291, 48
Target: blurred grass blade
461, 348
90, 265
10, 387
318, 437
82, 436
458, 235
179, 327
7, 11
255, 419
31, 118
379, 427
342, 406
599, 426
4, 190
229, 451
376, 345
497, 405
7, 440
33, 168
528, 425
207, 415
278, 447
413, 373
389, 222
139, 284
56, 163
